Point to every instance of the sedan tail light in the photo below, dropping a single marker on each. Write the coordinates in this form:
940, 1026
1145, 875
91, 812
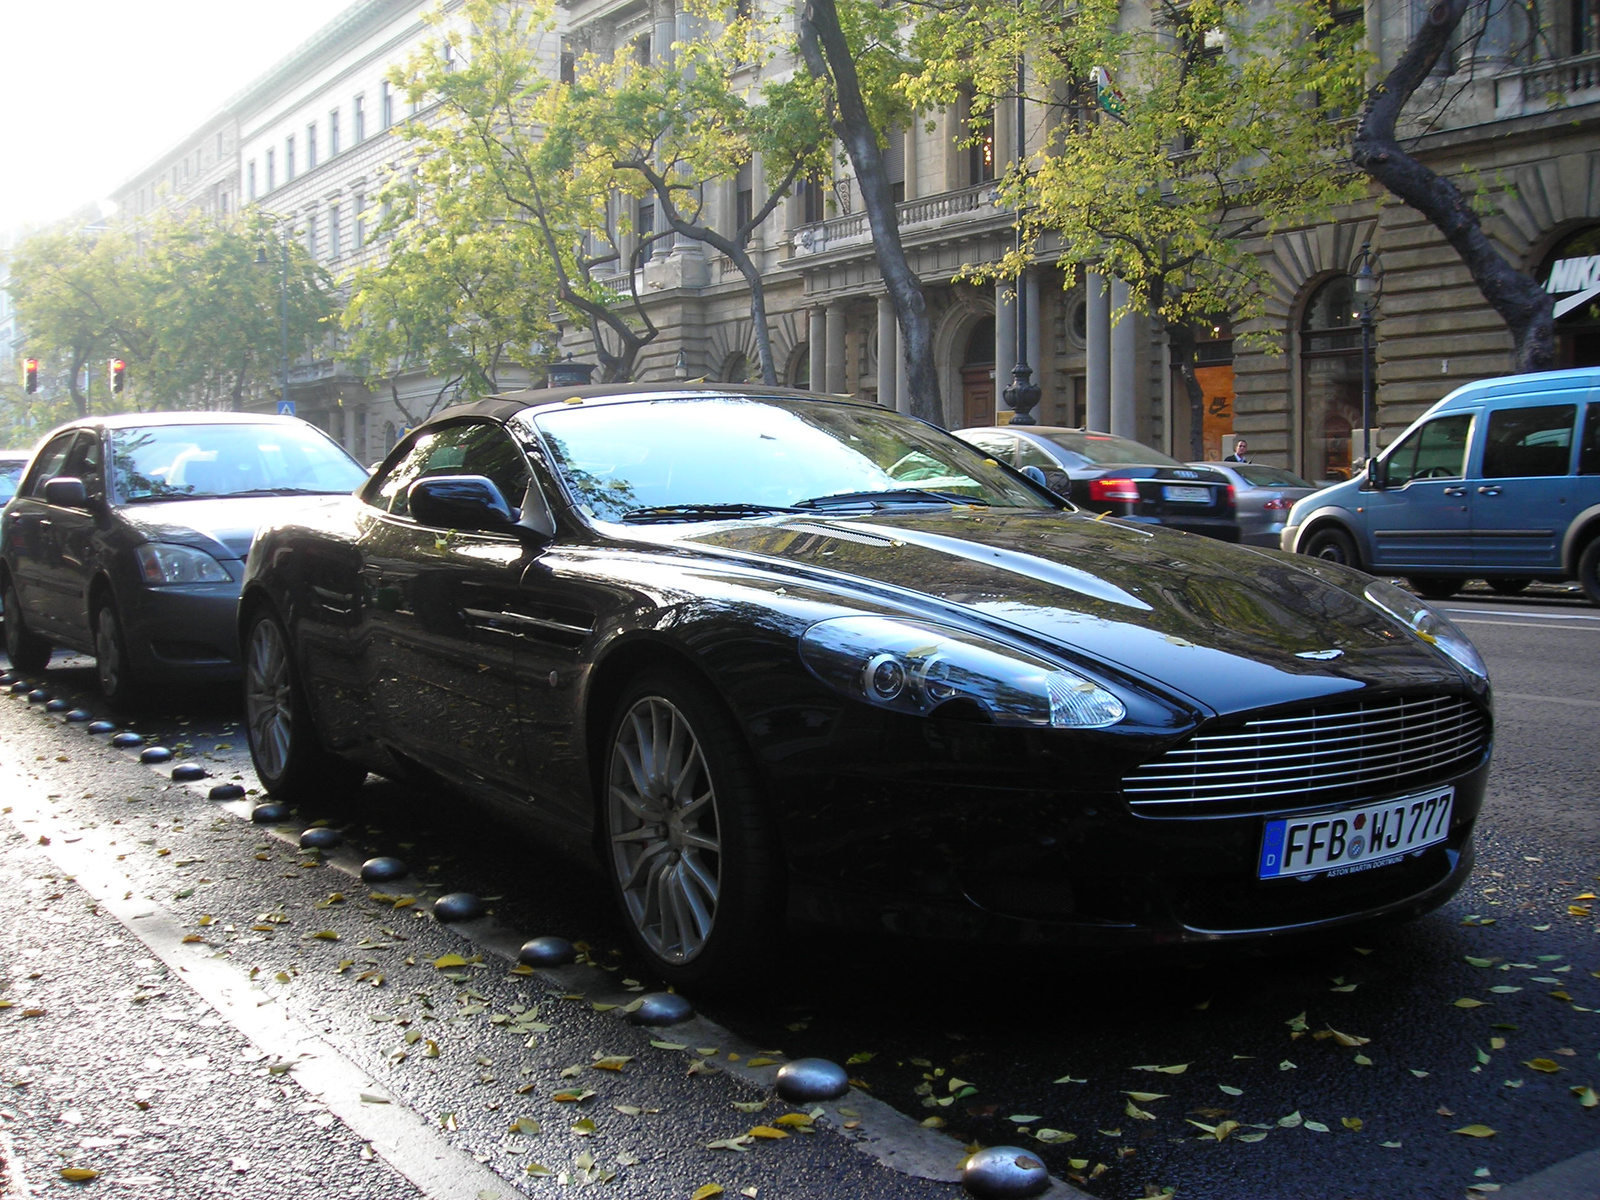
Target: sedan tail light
1277, 504
1113, 489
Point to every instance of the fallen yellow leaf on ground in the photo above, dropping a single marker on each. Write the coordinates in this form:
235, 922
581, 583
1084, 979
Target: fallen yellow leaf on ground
1476, 1131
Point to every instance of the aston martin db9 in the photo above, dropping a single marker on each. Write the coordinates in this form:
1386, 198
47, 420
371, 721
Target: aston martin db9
763, 653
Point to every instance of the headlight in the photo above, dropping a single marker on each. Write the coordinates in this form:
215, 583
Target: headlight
1428, 625
162, 563
917, 668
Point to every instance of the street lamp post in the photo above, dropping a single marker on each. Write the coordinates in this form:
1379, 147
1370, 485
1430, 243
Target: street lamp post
1021, 394
1367, 270
283, 307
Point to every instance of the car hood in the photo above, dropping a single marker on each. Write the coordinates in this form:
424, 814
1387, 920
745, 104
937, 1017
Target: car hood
227, 524
1228, 626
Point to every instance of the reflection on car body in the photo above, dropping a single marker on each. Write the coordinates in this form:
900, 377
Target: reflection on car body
719, 639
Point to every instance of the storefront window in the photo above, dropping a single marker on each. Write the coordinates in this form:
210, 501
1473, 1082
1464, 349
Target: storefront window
1570, 273
1330, 381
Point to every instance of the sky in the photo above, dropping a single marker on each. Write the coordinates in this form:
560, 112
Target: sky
92, 90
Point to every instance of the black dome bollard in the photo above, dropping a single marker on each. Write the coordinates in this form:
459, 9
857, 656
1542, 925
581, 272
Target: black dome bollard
808, 1079
458, 906
547, 952
1004, 1172
382, 869
321, 838
269, 813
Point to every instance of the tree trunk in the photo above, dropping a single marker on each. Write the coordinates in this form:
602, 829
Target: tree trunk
1521, 302
80, 402
827, 53
1180, 352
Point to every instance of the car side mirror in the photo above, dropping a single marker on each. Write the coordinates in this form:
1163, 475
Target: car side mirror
1374, 475
460, 502
65, 491
1037, 475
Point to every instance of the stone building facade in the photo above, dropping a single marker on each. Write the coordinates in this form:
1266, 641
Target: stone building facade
312, 140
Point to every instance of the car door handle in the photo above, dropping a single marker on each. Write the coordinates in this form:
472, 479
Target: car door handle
1488, 491
1456, 491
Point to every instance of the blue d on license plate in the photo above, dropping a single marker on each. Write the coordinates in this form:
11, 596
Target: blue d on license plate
1341, 842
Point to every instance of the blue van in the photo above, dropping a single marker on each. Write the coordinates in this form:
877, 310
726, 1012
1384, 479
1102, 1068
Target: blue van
1500, 481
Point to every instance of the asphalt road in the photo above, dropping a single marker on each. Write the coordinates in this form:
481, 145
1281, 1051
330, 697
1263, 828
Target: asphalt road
1048, 1043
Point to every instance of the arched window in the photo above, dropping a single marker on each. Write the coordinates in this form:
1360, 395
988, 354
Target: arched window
1330, 380
799, 373
736, 368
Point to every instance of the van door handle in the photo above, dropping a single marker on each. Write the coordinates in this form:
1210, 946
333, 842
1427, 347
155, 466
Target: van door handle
1488, 491
1456, 491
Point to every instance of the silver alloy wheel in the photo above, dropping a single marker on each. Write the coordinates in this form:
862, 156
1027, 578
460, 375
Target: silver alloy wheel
108, 662
268, 715
666, 850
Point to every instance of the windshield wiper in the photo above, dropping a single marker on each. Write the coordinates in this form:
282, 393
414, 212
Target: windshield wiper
897, 496
661, 513
280, 491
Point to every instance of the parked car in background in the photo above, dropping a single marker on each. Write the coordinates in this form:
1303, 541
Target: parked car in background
761, 651
1116, 475
1500, 481
126, 539
1262, 498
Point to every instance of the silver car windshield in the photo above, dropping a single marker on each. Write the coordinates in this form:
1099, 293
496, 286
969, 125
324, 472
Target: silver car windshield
191, 462
720, 456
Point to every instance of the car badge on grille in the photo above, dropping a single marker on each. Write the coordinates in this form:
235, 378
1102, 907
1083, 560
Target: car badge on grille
1320, 655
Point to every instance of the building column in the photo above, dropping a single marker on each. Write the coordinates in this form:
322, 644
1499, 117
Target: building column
1097, 353
888, 354
1124, 366
835, 340
817, 346
1005, 340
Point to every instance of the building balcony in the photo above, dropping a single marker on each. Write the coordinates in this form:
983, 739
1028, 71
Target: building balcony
1546, 85
941, 209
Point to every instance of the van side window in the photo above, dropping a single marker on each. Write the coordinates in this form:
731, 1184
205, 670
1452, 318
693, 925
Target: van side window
1438, 450
1589, 450
1529, 441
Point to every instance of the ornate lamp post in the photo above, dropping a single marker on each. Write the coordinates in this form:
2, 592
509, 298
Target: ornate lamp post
1021, 393
1367, 270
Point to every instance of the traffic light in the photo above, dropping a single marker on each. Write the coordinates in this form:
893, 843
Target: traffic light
119, 375
30, 375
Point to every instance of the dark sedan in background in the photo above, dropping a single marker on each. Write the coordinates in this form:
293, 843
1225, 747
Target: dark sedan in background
127, 538
761, 651
1116, 475
1262, 497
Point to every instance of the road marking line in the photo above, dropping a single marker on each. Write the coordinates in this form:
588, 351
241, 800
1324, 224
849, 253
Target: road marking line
1547, 699
397, 1134
1523, 612
1527, 625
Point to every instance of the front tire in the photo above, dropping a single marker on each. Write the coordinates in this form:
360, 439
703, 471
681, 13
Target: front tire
687, 842
1332, 544
119, 681
289, 757
1436, 587
1588, 573
28, 652
1509, 585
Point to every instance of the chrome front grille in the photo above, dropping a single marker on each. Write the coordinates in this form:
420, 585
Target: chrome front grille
1329, 753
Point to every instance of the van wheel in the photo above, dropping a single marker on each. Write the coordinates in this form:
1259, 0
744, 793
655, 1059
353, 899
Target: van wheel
1437, 587
1332, 544
1589, 570
1509, 585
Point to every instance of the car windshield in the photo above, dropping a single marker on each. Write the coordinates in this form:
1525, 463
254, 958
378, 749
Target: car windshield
1107, 450
190, 462
707, 458
1268, 476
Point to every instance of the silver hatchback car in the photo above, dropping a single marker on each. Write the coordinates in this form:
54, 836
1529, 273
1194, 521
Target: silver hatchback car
1263, 497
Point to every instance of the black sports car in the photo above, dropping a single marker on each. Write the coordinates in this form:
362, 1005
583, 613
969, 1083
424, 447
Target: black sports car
763, 651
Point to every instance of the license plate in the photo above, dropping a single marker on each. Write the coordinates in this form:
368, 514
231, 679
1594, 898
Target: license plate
1187, 495
1343, 842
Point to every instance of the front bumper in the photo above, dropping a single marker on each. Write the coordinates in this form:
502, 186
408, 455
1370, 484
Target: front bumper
183, 632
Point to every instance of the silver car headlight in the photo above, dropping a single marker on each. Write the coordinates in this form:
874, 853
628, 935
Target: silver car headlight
1429, 625
917, 668
161, 563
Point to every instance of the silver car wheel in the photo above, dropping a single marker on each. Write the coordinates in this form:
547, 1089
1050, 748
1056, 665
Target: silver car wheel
108, 653
267, 699
666, 850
